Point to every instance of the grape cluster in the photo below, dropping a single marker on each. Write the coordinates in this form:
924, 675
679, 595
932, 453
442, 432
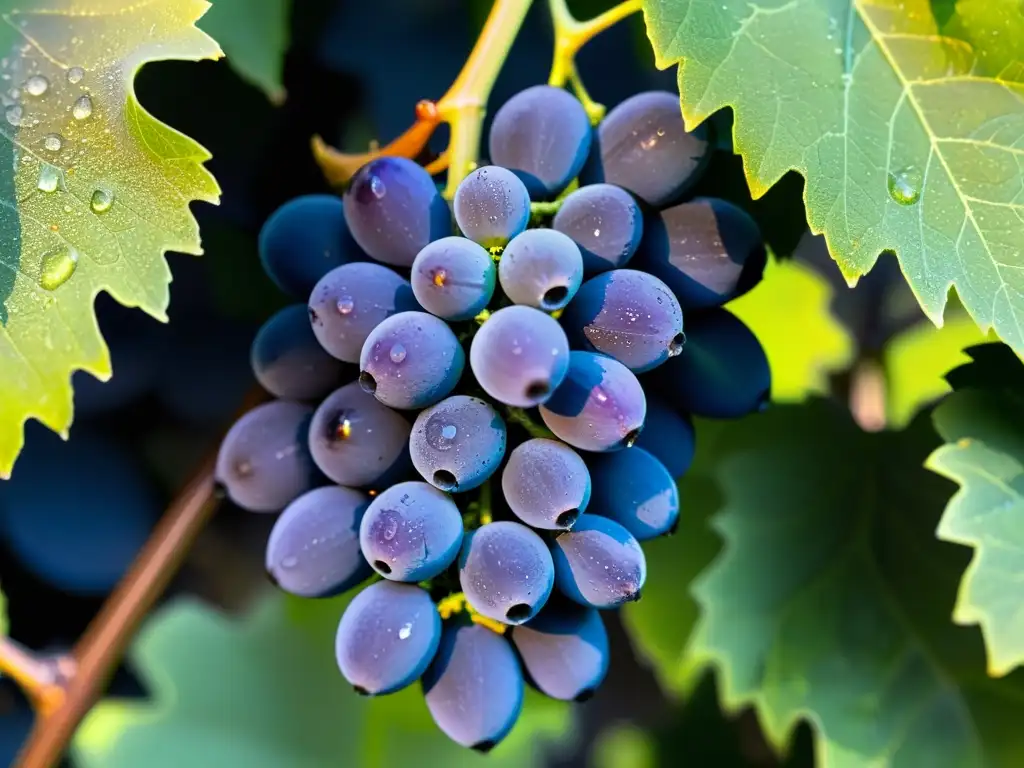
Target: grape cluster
503, 413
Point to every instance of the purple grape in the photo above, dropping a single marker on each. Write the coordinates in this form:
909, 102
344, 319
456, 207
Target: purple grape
519, 356
543, 135
411, 532
599, 563
492, 206
458, 443
351, 301
635, 490
474, 689
541, 268
411, 360
387, 637
668, 435
642, 146
313, 550
564, 650
453, 278
628, 315
605, 222
707, 252
264, 461
546, 484
289, 362
394, 209
357, 441
600, 406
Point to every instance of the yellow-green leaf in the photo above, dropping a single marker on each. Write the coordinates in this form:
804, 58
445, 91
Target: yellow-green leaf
98, 190
905, 139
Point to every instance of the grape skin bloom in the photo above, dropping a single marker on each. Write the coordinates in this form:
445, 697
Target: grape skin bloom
491, 206
605, 222
541, 268
546, 484
599, 563
289, 362
458, 444
453, 278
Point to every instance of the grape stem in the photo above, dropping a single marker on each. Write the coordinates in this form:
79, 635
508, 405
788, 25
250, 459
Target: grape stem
522, 418
43, 679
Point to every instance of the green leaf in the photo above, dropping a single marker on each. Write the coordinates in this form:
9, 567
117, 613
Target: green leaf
100, 190
996, 30
831, 599
255, 37
265, 693
984, 430
861, 108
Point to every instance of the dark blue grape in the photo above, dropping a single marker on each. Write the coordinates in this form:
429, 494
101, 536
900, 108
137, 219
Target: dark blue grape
474, 689
305, 239
668, 435
351, 301
387, 637
357, 441
723, 372
506, 572
393, 209
453, 278
707, 251
564, 650
635, 490
600, 406
629, 315
642, 146
519, 356
264, 461
411, 532
543, 135
599, 563
541, 268
411, 360
605, 222
458, 443
492, 206
313, 550
546, 484
289, 362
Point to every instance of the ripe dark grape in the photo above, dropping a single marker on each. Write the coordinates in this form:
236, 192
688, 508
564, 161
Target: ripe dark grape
289, 362
707, 251
723, 372
598, 563
351, 301
546, 484
541, 268
564, 650
357, 441
394, 209
411, 532
635, 490
474, 688
411, 360
605, 222
387, 637
313, 550
492, 206
642, 146
668, 435
543, 135
264, 461
600, 406
453, 278
506, 571
458, 443
305, 239
628, 315
519, 356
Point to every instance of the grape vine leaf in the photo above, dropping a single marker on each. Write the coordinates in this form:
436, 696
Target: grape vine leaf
98, 189
254, 36
265, 692
861, 108
983, 424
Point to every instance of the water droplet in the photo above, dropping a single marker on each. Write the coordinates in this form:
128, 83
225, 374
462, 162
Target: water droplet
905, 185
405, 631
390, 528
37, 85
75, 75
101, 201
49, 178
14, 115
57, 267
440, 276
397, 353
346, 305
53, 142
597, 233
15, 93
289, 562
448, 431
82, 107
377, 187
